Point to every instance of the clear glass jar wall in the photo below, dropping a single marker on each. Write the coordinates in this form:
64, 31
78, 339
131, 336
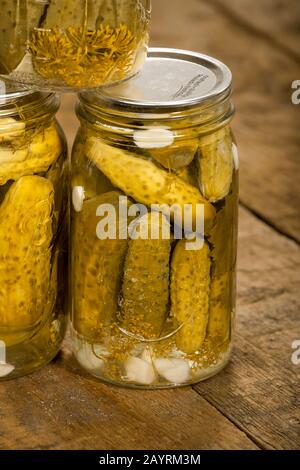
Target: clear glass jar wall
153, 311
73, 44
33, 231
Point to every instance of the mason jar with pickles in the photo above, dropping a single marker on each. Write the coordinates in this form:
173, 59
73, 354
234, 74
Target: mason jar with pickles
73, 44
154, 224
33, 230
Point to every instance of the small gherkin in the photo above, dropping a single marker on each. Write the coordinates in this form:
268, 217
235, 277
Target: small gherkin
25, 254
219, 323
116, 12
177, 156
190, 291
17, 19
225, 229
33, 156
148, 184
64, 13
145, 291
97, 267
216, 164
187, 175
13, 33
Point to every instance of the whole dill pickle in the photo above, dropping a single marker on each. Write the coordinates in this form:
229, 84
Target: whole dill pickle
147, 183
13, 33
25, 254
97, 269
145, 288
165, 147
220, 307
216, 164
35, 156
64, 13
187, 175
190, 291
223, 236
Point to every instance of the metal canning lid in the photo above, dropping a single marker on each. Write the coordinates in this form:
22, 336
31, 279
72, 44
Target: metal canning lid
171, 79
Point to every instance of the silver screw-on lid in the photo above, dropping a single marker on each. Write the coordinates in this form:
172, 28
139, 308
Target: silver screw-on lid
170, 79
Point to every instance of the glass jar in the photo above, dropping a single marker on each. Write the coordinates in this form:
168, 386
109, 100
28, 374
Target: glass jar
33, 231
73, 44
154, 224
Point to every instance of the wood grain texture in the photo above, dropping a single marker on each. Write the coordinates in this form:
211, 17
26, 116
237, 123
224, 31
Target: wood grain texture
254, 402
259, 391
276, 21
61, 407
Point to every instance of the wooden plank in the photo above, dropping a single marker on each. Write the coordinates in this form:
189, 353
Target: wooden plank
61, 407
275, 20
267, 123
67, 117
259, 390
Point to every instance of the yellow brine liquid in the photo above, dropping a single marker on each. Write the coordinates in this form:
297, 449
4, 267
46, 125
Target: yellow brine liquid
33, 241
152, 312
73, 43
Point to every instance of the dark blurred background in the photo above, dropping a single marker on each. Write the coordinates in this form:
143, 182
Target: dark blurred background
260, 41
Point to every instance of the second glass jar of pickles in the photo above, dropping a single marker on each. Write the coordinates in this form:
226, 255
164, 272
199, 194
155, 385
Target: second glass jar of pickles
154, 224
73, 44
33, 230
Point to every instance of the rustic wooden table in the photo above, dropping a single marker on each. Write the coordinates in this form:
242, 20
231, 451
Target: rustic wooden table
255, 402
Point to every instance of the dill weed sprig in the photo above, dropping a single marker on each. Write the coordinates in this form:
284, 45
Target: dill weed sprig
83, 58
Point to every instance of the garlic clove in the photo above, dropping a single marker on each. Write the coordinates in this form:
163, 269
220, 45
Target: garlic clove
176, 371
88, 359
139, 371
6, 369
153, 138
235, 154
78, 198
146, 356
11, 129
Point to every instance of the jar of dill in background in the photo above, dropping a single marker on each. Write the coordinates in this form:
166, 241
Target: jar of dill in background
73, 44
33, 230
154, 224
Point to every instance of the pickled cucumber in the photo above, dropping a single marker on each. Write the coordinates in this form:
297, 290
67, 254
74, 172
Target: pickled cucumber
164, 147
10, 129
25, 254
97, 268
146, 183
116, 12
145, 288
13, 33
17, 18
73, 14
36, 157
223, 236
220, 308
176, 157
65, 13
190, 291
187, 175
216, 164
86, 178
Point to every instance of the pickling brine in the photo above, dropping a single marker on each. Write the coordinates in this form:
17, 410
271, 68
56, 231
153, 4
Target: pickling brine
33, 235
73, 44
154, 229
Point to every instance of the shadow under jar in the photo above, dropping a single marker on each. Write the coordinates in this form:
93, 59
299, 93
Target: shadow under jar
73, 44
33, 231
154, 224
